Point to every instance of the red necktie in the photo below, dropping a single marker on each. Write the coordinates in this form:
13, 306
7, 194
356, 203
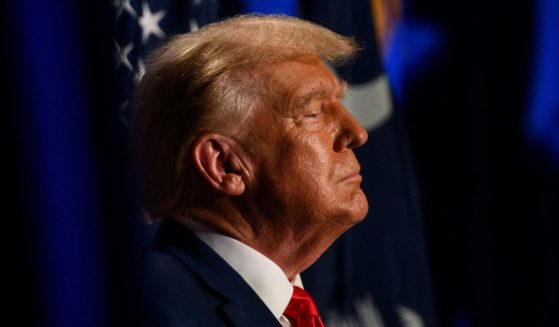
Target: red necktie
301, 310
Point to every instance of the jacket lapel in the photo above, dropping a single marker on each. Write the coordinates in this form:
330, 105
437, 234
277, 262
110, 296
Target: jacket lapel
241, 304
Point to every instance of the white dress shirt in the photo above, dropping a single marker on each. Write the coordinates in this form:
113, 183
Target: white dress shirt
263, 275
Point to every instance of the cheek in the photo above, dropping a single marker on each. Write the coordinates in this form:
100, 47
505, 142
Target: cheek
311, 158
307, 171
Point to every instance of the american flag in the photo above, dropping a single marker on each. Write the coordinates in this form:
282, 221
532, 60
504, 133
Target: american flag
141, 25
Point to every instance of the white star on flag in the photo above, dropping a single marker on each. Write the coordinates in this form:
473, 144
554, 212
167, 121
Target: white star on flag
139, 72
121, 55
150, 23
193, 25
123, 5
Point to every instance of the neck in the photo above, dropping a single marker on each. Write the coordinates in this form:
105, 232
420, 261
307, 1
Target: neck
292, 248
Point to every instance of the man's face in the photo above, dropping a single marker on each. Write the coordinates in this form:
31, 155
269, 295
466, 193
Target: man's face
305, 172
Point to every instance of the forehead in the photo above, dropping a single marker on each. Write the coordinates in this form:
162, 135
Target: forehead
299, 78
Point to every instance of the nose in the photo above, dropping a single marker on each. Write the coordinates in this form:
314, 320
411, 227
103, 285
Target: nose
351, 134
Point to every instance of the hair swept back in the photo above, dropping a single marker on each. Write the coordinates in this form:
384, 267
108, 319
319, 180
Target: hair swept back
201, 81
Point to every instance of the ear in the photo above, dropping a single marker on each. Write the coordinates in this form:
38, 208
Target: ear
219, 165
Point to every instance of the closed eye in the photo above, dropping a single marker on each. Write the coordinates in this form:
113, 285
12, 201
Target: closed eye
312, 115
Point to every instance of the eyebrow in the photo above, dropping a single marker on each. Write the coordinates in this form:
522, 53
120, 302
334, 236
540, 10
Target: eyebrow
322, 92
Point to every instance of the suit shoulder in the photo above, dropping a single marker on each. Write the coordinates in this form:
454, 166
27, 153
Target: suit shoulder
174, 295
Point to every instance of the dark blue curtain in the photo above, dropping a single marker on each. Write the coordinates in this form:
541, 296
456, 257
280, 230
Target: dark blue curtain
488, 178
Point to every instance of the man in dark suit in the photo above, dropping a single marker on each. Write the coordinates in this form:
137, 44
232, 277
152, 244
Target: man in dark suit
246, 156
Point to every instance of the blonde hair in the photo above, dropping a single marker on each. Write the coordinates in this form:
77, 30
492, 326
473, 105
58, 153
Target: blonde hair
205, 81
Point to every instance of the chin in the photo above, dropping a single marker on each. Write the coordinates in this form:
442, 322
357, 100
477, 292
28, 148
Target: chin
356, 210
361, 211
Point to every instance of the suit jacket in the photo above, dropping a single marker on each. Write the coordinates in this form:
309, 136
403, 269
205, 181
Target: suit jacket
185, 283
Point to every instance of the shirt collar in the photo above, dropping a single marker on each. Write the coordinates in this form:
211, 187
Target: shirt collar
263, 275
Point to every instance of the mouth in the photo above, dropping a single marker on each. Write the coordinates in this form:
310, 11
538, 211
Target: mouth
353, 176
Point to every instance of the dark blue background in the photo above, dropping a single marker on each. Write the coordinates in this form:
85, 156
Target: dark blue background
463, 179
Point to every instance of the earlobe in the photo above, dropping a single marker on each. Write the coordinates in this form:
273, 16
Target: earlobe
215, 159
233, 183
